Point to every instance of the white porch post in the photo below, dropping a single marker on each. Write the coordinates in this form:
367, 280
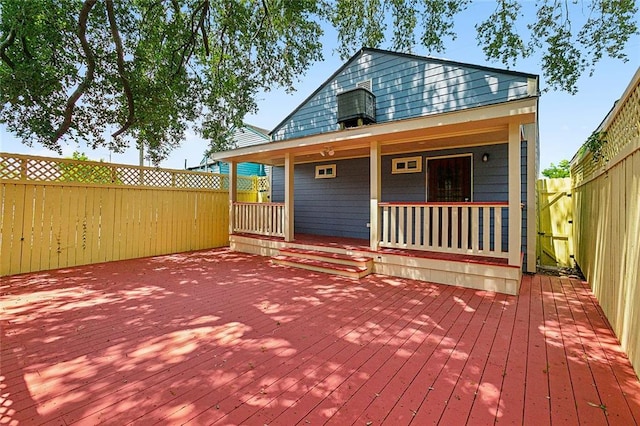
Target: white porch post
531, 135
375, 185
288, 197
233, 193
515, 214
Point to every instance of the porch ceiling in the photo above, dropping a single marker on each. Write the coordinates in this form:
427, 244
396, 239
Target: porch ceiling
478, 126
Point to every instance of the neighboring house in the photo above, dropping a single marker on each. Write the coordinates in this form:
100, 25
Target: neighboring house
432, 163
247, 135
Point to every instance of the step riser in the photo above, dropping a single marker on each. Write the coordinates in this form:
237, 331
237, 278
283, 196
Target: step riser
314, 268
319, 261
355, 263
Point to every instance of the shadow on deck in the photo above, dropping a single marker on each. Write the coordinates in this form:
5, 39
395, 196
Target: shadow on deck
224, 337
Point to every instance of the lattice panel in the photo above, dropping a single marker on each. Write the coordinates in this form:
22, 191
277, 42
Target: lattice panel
621, 131
24, 167
10, 167
43, 170
625, 127
198, 180
246, 183
263, 184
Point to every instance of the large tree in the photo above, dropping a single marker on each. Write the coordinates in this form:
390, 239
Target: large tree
146, 70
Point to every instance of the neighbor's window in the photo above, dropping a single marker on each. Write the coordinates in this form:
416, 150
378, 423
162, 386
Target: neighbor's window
326, 171
406, 165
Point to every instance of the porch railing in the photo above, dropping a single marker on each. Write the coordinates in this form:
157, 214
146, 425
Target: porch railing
259, 218
465, 228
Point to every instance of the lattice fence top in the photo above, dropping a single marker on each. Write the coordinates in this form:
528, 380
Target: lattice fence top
43, 169
622, 128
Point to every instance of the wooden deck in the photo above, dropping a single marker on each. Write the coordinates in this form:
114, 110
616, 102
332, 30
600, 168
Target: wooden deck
217, 337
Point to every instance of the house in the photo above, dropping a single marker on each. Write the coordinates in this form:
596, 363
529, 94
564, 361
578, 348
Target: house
246, 135
415, 166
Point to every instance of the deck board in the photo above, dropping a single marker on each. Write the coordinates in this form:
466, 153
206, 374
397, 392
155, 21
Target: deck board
216, 337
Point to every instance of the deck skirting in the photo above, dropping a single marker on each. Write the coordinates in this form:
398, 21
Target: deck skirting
480, 275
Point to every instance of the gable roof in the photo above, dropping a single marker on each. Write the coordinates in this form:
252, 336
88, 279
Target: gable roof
408, 56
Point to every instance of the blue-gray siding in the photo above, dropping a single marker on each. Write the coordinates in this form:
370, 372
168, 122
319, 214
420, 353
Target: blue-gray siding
338, 206
405, 87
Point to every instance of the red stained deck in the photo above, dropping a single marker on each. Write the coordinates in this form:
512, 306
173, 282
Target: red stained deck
215, 337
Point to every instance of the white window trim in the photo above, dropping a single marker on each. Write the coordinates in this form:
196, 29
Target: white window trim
470, 154
396, 162
321, 171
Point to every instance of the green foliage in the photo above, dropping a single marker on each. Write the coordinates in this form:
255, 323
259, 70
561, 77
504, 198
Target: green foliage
85, 173
147, 70
562, 170
594, 143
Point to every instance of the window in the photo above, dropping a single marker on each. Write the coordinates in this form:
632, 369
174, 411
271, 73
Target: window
449, 179
406, 165
326, 171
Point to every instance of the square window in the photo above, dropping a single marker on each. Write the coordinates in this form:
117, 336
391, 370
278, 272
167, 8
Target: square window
326, 171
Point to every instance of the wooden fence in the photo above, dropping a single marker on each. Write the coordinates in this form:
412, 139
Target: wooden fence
555, 222
606, 196
58, 213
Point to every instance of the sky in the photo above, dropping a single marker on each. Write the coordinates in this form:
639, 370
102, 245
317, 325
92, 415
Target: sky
565, 120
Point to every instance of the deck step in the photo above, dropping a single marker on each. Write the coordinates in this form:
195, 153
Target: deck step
330, 263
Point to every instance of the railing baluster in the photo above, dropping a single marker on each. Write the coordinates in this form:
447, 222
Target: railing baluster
475, 229
486, 230
401, 227
454, 228
435, 229
409, 235
385, 224
497, 229
444, 228
418, 231
465, 229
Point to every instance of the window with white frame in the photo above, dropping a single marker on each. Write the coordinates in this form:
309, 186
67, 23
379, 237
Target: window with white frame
326, 171
406, 165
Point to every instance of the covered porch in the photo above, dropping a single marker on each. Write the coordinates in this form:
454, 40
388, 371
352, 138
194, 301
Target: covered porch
474, 240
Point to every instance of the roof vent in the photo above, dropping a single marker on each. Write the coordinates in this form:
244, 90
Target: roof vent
356, 107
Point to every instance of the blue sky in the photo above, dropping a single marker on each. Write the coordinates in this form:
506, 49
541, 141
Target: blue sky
565, 120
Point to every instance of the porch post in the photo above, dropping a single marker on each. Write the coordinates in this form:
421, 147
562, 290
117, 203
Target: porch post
531, 135
375, 188
515, 214
288, 197
233, 193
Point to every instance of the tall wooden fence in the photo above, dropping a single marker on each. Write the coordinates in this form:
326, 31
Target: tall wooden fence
607, 219
58, 213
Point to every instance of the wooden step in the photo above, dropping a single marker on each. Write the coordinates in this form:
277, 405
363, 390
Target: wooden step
325, 256
330, 263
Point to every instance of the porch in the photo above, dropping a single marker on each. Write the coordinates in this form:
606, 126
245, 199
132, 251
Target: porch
220, 337
343, 183
447, 243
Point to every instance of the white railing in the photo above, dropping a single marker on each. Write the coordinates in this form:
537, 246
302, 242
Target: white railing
259, 218
465, 228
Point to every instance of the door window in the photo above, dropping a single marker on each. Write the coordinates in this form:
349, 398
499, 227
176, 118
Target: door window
449, 179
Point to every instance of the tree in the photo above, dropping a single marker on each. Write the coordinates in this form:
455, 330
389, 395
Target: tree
562, 170
146, 70
86, 171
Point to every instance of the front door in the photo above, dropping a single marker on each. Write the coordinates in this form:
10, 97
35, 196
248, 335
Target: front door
449, 179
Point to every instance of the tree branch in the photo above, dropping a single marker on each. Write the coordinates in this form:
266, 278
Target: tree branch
203, 15
4, 45
126, 87
88, 78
